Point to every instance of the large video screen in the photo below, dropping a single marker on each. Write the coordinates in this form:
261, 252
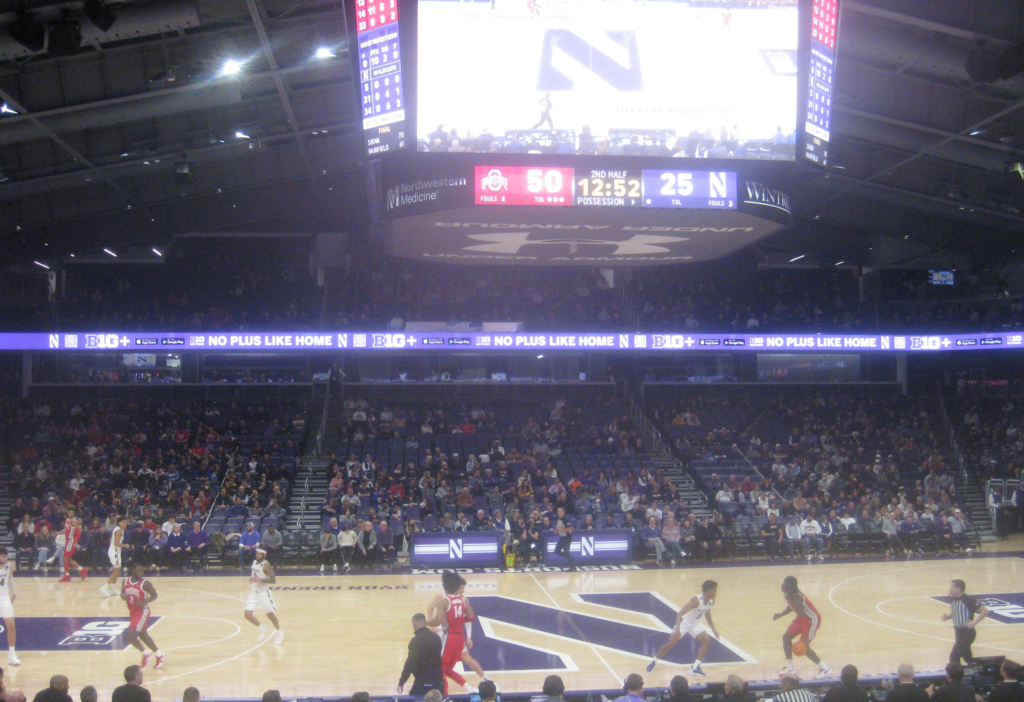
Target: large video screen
616, 77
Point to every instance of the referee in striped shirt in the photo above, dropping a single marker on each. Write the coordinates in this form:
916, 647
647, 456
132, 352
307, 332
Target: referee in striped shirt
792, 692
962, 610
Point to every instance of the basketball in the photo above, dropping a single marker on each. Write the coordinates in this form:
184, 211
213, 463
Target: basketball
800, 648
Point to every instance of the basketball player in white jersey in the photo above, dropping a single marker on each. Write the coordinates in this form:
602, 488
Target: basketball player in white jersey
688, 621
261, 579
109, 589
7, 597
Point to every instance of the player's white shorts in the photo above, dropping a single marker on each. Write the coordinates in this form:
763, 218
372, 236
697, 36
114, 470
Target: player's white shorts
115, 557
6, 608
261, 599
694, 630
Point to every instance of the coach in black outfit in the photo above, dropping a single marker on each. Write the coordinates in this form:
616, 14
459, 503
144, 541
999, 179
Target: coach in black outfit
132, 690
954, 689
847, 690
906, 690
962, 609
424, 660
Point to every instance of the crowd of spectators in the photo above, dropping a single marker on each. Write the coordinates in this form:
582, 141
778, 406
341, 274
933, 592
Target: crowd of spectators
163, 465
508, 467
820, 471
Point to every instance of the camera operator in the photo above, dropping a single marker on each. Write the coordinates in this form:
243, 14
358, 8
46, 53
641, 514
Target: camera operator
954, 690
529, 540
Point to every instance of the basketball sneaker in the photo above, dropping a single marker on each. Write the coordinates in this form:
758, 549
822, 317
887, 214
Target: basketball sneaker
160, 658
103, 590
823, 672
65, 579
12, 658
145, 659
695, 670
650, 666
84, 572
787, 670
262, 633
279, 637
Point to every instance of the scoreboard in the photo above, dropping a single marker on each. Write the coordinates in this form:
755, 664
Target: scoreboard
382, 93
821, 79
604, 187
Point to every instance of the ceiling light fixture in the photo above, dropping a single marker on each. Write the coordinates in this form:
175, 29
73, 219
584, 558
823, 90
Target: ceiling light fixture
231, 67
839, 263
792, 260
108, 251
6, 109
324, 53
157, 252
41, 265
239, 134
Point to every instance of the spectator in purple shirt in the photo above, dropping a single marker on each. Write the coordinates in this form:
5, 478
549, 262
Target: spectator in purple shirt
197, 544
176, 544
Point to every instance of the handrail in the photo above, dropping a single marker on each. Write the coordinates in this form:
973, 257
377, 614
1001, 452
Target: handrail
954, 444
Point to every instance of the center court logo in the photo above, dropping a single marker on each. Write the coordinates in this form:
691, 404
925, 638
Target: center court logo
73, 633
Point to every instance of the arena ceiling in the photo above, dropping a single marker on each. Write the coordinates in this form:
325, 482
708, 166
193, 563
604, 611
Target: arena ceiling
929, 118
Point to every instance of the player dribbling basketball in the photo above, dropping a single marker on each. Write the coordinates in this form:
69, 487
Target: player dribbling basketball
137, 592
805, 625
260, 579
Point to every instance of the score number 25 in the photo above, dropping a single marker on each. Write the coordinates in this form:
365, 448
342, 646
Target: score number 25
677, 184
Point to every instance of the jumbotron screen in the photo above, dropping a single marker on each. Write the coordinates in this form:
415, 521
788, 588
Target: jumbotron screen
618, 77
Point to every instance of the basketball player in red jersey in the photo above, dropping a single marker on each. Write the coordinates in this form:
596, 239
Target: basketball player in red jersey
137, 592
806, 625
72, 533
453, 613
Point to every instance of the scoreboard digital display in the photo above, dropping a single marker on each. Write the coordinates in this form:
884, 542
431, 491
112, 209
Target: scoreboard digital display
587, 187
821, 79
382, 94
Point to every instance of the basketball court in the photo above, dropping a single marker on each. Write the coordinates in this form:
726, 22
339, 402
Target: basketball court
593, 627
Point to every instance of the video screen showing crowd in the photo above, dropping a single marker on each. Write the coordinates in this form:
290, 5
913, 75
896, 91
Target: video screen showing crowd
699, 79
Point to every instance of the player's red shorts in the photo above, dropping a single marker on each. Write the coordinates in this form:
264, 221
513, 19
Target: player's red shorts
139, 620
807, 627
454, 645
69, 552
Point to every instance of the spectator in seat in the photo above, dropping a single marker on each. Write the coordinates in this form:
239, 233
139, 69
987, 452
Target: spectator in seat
847, 689
25, 546
328, 550
45, 546
771, 532
368, 548
158, 553
680, 689
9, 695
553, 689
893, 540
688, 538
138, 542
1010, 688
709, 545
56, 692
197, 546
248, 542
734, 689
386, 541
810, 529
670, 535
960, 529
272, 541
633, 687
177, 557
347, 545
910, 532
793, 538
652, 539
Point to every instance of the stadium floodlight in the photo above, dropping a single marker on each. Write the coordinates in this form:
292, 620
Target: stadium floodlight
239, 134
108, 251
41, 264
540, 355
839, 263
231, 67
157, 252
324, 53
797, 258
6, 109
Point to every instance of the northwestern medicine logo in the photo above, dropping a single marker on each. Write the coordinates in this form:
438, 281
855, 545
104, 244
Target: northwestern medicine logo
73, 633
612, 56
1005, 607
418, 191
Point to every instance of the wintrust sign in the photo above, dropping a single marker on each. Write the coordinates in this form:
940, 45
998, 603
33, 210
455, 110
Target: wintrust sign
758, 194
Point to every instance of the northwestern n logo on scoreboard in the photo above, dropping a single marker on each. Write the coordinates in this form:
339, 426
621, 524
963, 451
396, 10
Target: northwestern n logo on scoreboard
73, 633
455, 548
1005, 607
587, 545
611, 56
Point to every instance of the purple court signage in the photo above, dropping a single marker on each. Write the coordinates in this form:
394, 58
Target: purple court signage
519, 341
455, 549
591, 546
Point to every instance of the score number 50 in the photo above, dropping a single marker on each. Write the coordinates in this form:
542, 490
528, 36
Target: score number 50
539, 180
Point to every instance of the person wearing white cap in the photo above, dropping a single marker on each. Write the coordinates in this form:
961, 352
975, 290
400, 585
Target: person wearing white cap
261, 578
